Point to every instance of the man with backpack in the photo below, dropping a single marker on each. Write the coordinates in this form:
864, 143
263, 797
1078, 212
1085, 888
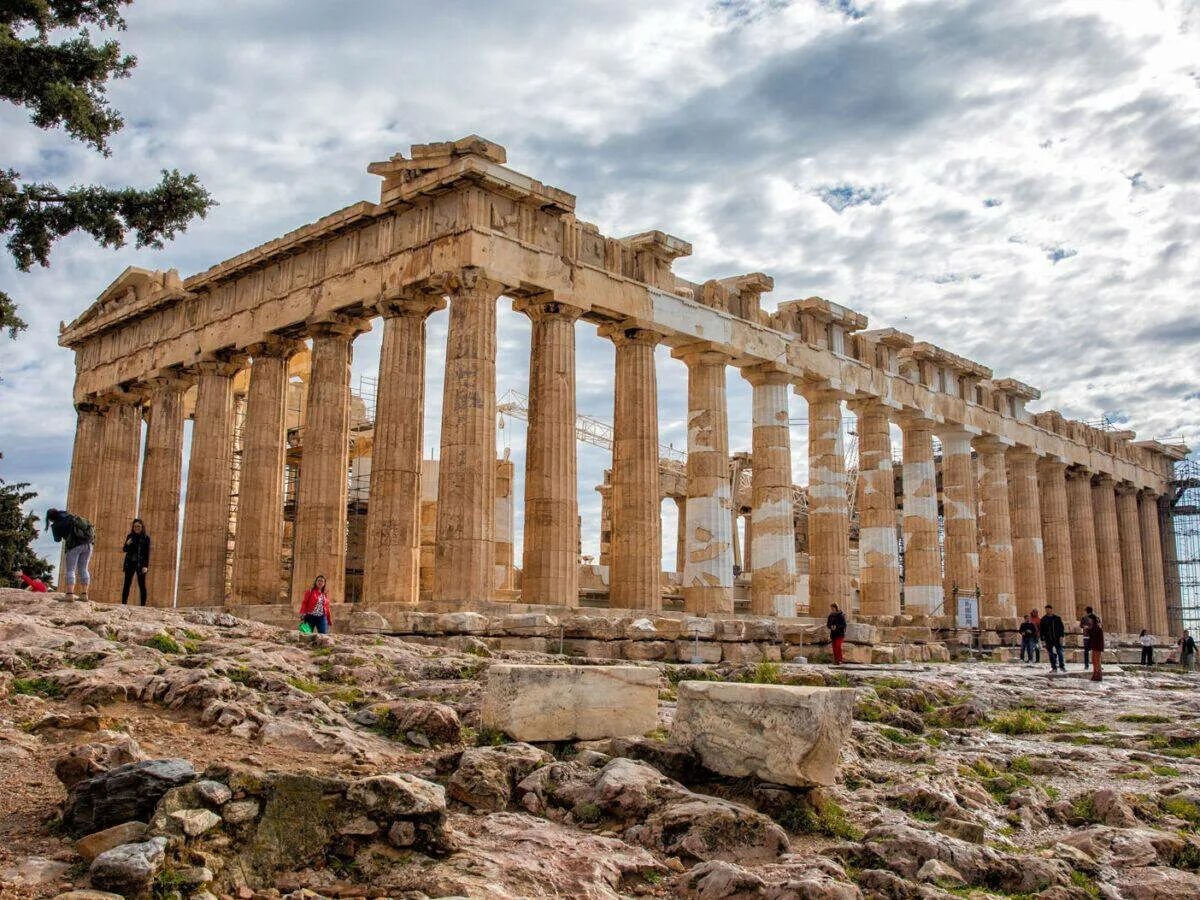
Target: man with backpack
79, 537
1052, 632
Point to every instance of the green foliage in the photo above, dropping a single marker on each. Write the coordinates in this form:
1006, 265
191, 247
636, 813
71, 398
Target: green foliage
240, 675
1181, 748
351, 696
50, 66
164, 643
1181, 808
1085, 883
18, 529
586, 812
489, 737
1083, 807
87, 662
1022, 764
168, 883
1165, 771
39, 687
766, 672
652, 876
1144, 718
898, 736
303, 684
658, 734
1187, 857
1022, 721
818, 815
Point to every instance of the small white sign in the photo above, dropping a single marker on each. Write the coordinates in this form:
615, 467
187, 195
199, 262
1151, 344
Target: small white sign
968, 611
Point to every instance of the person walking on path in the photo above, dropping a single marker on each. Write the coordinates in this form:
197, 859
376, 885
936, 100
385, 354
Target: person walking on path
314, 611
1052, 632
1084, 627
1146, 639
137, 559
1029, 640
78, 536
1096, 639
1187, 651
836, 623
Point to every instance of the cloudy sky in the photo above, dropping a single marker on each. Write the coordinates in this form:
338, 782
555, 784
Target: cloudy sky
1018, 182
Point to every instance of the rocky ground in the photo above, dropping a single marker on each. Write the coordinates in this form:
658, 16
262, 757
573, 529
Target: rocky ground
210, 756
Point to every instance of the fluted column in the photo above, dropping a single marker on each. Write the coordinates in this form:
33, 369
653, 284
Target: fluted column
210, 481
995, 527
828, 505
708, 571
922, 563
680, 533
392, 563
1156, 596
162, 475
464, 558
1029, 569
878, 553
1056, 534
550, 561
85, 468
1084, 561
1133, 570
959, 513
258, 543
324, 484
771, 530
636, 542
1111, 605
116, 495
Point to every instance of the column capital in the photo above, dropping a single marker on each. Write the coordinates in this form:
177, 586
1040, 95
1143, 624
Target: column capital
766, 373
468, 281
1053, 464
1019, 451
991, 443
700, 352
1125, 487
120, 397
223, 363
865, 403
167, 380
631, 331
910, 418
1103, 478
949, 431
412, 303
547, 306
1077, 472
1149, 494
818, 389
338, 325
275, 346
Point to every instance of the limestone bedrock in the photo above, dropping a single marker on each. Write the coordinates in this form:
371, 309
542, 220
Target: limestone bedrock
565, 703
779, 733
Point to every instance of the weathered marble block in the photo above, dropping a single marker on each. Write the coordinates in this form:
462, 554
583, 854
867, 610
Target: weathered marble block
779, 733
563, 703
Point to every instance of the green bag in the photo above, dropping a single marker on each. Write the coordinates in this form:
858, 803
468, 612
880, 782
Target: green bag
305, 628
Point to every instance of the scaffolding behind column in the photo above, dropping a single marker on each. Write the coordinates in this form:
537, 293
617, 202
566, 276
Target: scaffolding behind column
1183, 573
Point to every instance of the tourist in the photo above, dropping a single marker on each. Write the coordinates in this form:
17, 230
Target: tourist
137, 559
1187, 650
1052, 632
314, 611
1146, 639
836, 623
1029, 640
78, 536
1095, 635
33, 585
1084, 626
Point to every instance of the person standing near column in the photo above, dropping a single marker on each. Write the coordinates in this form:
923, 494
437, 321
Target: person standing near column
1095, 635
79, 537
314, 610
836, 623
1052, 636
1146, 639
1187, 651
137, 560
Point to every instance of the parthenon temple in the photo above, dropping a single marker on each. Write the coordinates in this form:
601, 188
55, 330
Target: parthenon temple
990, 499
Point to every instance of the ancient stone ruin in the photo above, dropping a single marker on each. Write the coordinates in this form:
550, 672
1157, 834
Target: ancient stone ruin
1035, 508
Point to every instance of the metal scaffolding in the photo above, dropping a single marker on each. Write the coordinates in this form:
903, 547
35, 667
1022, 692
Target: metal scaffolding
1183, 573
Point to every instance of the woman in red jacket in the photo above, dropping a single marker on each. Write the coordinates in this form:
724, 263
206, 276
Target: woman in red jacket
315, 608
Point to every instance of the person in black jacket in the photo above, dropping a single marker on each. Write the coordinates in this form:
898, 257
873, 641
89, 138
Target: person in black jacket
1029, 641
1052, 636
836, 623
137, 559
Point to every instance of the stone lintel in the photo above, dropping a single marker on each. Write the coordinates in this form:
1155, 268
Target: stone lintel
751, 283
952, 430
927, 352
888, 337
657, 243
1174, 451
867, 402
1017, 389
823, 310
992, 442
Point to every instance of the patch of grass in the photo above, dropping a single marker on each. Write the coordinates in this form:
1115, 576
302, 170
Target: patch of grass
923, 815
1144, 718
586, 812
1139, 775
1181, 808
489, 737
322, 651
1084, 807
1180, 748
167, 883
898, 736
1165, 771
678, 674
1051, 791
894, 682
935, 738
164, 643
870, 709
351, 696
303, 684
1085, 883
192, 635
652, 876
1022, 764
240, 675
37, 687
819, 816
87, 663
766, 672
1021, 721
1188, 857
658, 734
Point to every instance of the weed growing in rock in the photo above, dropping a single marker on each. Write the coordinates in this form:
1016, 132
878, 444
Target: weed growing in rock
652, 876
1144, 718
658, 734
39, 687
168, 883
303, 684
588, 813
164, 643
88, 662
489, 737
1181, 808
1022, 721
1183, 748
896, 736
766, 672
1085, 883
240, 675
1083, 808
1165, 771
818, 815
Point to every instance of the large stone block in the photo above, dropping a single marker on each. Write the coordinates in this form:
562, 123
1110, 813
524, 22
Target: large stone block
779, 733
697, 651
564, 703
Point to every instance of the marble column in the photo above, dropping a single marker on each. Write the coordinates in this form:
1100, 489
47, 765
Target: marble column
1084, 565
828, 505
680, 533
464, 566
1056, 535
959, 514
116, 496
550, 560
85, 468
392, 562
1156, 595
258, 543
636, 543
1133, 570
995, 528
1029, 568
210, 481
770, 529
1111, 606
324, 484
708, 571
923, 593
878, 552
162, 474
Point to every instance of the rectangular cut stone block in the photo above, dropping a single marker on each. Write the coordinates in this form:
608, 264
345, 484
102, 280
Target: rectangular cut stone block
530, 644
857, 633
588, 649
648, 650
779, 733
741, 654
707, 651
599, 628
570, 703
